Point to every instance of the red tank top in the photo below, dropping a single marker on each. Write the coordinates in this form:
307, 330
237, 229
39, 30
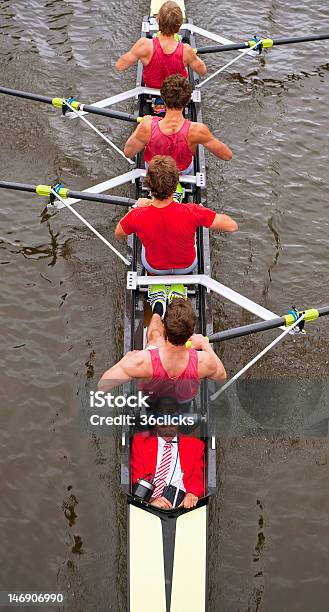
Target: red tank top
163, 65
175, 145
183, 387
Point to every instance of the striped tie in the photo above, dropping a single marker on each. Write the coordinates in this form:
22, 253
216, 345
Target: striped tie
163, 470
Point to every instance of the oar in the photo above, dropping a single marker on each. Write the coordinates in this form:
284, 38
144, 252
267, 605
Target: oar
232, 61
287, 320
61, 193
72, 105
290, 328
266, 43
78, 106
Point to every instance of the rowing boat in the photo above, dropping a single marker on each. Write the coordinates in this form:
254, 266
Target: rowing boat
167, 551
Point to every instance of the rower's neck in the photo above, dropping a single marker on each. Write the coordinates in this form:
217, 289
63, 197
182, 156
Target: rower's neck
162, 203
173, 115
168, 39
176, 350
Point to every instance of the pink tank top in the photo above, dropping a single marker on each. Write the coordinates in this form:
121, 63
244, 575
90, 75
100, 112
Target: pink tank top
163, 64
175, 145
183, 387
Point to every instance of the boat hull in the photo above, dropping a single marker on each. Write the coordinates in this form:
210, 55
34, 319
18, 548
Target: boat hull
168, 560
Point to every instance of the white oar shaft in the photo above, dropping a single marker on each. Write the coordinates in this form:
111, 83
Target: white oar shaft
245, 52
108, 244
257, 358
114, 146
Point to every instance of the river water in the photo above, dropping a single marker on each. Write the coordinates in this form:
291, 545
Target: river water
62, 292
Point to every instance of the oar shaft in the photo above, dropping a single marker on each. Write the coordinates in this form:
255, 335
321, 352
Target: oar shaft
17, 186
246, 330
323, 311
78, 195
222, 48
268, 42
299, 39
26, 95
88, 108
106, 199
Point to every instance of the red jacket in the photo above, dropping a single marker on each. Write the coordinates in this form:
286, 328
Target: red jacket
144, 454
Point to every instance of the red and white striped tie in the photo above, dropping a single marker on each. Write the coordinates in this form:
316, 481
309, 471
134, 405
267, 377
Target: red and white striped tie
163, 470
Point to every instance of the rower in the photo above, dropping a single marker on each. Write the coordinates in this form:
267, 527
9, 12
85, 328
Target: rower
174, 135
163, 55
165, 228
167, 366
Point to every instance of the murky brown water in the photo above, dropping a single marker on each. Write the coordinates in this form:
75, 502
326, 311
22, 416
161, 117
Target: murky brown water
62, 518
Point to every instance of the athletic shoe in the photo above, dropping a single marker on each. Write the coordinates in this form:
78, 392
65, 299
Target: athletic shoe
179, 193
176, 291
157, 298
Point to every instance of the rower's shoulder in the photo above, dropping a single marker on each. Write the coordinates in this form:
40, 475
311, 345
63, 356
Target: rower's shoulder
206, 364
137, 361
188, 48
196, 127
144, 44
189, 52
147, 120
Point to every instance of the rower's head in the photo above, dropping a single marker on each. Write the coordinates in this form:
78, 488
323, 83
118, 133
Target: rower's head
176, 91
162, 177
179, 322
170, 18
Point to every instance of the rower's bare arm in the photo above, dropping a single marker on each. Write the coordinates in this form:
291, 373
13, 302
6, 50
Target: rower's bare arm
193, 61
208, 140
119, 233
219, 372
139, 138
131, 366
210, 366
137, 51
224, 223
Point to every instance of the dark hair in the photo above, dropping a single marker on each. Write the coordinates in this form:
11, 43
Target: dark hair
179, 321
162, 176
170, 18
176, 91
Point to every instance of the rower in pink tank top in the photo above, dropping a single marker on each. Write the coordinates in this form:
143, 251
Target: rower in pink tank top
175, 145
183, 387
163, 65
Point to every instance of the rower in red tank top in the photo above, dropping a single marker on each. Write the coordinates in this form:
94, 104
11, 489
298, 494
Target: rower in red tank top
163, 55
175, 145
167, 364
174, 135
164, 64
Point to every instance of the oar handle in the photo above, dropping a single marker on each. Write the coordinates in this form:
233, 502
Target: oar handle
188, 344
